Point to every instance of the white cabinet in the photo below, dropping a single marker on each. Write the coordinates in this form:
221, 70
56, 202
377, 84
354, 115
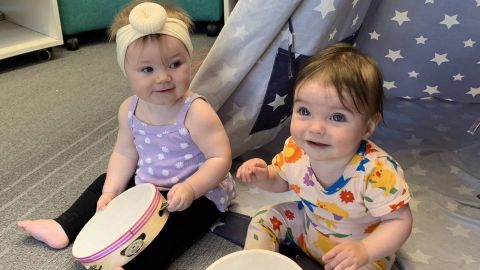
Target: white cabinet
29, 25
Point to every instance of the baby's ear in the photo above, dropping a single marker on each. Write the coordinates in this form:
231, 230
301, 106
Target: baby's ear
371, 125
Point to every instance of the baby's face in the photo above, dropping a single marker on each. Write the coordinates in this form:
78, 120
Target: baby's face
158, 70
323, 127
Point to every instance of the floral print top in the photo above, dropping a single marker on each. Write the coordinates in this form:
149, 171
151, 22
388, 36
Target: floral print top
371, 186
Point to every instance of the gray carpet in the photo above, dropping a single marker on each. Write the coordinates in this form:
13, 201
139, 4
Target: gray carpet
58, 125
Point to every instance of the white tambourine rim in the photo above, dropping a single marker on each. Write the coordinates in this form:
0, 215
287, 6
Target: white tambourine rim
127, 235
282, 257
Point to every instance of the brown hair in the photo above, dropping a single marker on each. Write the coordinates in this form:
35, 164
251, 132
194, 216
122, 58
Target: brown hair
172, 11
351, 73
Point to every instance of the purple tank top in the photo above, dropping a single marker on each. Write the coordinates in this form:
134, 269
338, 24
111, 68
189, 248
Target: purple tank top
168, 155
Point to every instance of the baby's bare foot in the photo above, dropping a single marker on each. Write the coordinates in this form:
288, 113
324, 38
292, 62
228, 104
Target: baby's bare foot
47, 231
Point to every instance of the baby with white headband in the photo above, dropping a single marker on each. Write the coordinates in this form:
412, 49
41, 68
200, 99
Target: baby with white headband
167, 135
146, 19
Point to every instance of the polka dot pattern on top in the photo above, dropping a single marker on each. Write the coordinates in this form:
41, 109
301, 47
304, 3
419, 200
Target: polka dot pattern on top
168, 155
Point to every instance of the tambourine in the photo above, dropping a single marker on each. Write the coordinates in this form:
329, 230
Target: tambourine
254, 259
114, 236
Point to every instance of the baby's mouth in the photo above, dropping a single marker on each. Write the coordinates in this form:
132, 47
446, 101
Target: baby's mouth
316, 144
163, 90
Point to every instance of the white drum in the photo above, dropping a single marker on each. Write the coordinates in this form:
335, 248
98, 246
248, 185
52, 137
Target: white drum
254, 259
114, 236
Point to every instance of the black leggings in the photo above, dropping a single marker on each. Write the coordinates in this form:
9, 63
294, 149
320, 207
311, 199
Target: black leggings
180, 232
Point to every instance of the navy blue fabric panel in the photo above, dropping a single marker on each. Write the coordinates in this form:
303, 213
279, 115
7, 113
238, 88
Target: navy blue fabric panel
278, 101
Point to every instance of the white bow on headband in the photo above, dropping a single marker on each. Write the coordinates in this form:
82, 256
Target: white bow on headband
146, 19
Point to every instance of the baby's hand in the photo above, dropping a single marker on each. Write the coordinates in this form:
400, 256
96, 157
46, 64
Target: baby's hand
104, 200
253, 170
180, 197
347, 254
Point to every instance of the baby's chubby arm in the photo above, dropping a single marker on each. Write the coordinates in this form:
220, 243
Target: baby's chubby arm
258, 172
209, 135
387, 238
123, 160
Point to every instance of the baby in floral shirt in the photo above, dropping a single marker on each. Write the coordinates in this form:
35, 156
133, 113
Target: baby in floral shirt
352, 210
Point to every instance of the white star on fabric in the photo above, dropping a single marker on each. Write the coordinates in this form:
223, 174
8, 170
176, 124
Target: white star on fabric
355, 20
419, 256
417, 170
459, 231
389, 85
413, 74
429, 2
463, 190
478, 3
400, 17
468, 259
452, 206
421, 39
238, 113
473, 91
449, 21
354, 3
279, 101
325, 7
414, 140
374, 35
469, 43
332, 34
458, 77
227, 73
394, 55
454, 169
440, 58
239, 32
431, 89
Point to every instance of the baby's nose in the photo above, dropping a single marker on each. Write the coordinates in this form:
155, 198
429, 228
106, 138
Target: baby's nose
318, 127
163, 77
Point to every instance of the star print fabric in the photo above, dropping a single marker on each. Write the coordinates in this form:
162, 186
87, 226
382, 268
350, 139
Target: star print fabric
278, 100
425, 48
237, 71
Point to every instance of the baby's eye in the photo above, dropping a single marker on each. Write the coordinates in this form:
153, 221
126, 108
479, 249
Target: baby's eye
147, 69
175, 64
337, 117
303, 111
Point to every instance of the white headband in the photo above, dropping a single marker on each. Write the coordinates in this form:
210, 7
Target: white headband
146, 19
